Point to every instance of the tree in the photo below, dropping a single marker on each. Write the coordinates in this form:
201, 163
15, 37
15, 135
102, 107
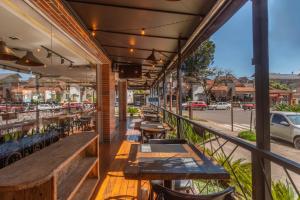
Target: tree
197, 68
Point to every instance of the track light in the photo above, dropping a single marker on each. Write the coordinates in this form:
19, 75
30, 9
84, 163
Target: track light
71, 65
49, 54
62, 61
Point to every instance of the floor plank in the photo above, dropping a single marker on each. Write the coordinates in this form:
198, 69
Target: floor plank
113, 159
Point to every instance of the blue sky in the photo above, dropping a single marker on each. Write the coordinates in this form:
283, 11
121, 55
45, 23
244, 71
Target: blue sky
234, 39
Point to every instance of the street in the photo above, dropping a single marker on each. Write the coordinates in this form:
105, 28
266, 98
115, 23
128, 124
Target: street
241, 118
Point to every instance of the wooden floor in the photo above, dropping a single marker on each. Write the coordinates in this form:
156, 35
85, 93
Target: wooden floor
113, 159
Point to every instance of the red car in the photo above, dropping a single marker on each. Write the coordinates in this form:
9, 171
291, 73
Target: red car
195, 105
248, 106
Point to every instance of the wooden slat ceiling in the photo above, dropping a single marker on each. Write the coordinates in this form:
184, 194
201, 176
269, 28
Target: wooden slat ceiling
118, 23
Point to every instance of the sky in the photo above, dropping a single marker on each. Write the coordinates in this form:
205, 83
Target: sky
234, 40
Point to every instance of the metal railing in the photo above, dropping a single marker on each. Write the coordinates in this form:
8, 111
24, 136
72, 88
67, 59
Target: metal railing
236, 156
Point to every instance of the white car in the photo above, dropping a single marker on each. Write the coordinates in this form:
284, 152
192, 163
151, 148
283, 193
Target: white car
286, 126
220, 106
45, 107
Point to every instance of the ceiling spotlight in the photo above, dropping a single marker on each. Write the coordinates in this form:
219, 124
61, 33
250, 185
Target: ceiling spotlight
152, 58
49, 54
6, 53
131, 50
62, 60
143, 31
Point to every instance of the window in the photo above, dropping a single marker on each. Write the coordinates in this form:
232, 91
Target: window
278, 118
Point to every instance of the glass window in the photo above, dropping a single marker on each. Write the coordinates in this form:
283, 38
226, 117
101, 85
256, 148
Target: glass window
278, 118
295, 119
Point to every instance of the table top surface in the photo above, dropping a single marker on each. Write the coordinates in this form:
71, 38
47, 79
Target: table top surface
154, 126
171, 162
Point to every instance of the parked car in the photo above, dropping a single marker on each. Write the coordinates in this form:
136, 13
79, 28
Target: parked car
248, 106
195, 105
45, 107
220, 106
286, 126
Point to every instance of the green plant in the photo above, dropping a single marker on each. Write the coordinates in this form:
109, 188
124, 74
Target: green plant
247, 135
280, 191
132, 110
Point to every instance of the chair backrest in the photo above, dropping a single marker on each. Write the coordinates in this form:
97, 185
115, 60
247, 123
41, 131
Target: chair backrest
165, 193
167, 141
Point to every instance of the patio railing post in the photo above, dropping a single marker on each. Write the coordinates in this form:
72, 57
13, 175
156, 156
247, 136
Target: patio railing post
261, 180
179, 89
164, 93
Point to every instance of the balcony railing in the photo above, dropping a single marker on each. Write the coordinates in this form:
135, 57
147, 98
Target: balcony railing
237, 157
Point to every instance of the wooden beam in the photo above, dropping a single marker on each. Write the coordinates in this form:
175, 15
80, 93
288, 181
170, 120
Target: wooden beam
137, 34
136, 8
136, 48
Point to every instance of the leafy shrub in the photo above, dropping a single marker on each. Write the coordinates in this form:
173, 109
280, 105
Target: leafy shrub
280, 191
287, 108
132, 110
247, 135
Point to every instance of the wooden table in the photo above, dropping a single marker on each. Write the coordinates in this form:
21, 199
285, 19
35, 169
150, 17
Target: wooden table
171, 162
151, 117
153, 129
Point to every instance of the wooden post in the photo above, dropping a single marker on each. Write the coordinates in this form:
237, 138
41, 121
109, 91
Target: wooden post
261, 180
171, 92
37, 113
179, 90
164, 93
98, 104
122, 100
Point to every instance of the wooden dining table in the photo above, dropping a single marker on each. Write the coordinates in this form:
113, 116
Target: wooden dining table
151, 117
171, 162
153, 129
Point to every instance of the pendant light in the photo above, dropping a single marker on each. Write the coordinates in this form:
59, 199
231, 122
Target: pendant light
6, 53
30, 60
152, 57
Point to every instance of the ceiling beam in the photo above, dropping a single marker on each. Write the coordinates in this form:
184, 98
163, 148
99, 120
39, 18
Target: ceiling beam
136, 48
136, 8
129, 57
137, 34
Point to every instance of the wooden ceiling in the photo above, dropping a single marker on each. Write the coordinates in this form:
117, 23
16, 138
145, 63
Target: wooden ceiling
117, 26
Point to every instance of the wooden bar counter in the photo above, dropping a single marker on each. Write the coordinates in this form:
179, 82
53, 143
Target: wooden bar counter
67, 169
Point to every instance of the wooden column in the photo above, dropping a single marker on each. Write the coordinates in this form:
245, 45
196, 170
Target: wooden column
260, 180
122, 85
106, 102
98, 104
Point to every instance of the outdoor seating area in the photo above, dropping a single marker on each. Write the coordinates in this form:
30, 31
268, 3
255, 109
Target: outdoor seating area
96, 103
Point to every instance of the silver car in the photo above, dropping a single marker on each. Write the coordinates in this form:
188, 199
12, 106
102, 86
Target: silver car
286, 126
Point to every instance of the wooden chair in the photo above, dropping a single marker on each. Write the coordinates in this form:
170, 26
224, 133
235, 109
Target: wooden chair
163, 193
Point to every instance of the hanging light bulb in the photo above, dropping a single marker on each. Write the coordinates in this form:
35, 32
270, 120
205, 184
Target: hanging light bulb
152, 58
143, 31
93, 33
38, 49
71, 65
131, 50
160, 60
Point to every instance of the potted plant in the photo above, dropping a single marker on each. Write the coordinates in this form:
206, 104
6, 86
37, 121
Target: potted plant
132, 111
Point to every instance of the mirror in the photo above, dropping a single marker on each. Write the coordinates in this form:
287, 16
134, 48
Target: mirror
284, 123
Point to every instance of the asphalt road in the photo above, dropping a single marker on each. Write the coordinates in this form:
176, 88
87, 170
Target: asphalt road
223, 116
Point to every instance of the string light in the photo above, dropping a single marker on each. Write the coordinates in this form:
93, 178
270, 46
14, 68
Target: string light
143, 31
131, 50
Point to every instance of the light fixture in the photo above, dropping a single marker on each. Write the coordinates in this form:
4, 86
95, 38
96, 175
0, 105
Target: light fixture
143, 31
160, 60
30, 60
49, 54
38, 49
71, 65
93, 33
131, 50
6, 53
152, 58
148, 75
62, 60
